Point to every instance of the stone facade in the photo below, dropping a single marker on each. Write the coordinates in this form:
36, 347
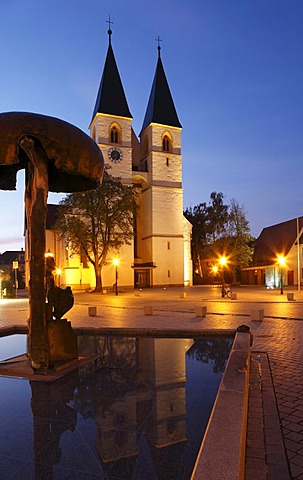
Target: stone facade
160, 252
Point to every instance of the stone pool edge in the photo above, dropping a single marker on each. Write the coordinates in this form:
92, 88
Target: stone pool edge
222, 452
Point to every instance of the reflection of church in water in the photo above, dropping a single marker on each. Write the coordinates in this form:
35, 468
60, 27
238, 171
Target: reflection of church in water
137, 410
152, 403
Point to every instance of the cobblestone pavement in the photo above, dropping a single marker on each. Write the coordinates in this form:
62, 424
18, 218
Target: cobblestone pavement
275, 420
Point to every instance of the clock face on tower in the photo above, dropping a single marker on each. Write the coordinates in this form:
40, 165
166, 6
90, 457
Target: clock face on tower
115, 155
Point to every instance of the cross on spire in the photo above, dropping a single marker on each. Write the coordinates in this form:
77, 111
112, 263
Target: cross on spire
159, 47
109, 31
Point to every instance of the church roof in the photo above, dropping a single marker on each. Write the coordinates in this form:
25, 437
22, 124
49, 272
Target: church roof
160, 108
276, 240
111, 98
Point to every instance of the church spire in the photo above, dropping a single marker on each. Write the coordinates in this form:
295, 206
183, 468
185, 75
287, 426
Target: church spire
111, 98
160, 108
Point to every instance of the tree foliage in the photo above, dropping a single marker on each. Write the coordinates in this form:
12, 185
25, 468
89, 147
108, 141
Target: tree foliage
97, 222
220, 229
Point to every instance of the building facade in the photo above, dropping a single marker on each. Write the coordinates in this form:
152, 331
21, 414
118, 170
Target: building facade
160, 253
278, 256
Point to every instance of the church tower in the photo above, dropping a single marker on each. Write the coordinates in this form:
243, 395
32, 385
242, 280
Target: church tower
111, 122
162, 241
111, 128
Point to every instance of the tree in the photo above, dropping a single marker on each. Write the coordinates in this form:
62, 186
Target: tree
240, 240
220, 229
197, 216
209, 222
98, 222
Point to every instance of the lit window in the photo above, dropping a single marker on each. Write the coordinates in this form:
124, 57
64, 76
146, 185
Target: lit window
166, 144
114, 135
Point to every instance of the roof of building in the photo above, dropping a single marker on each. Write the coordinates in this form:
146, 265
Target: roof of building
160, 108
111, 98
276, 240
8, 257
52, 215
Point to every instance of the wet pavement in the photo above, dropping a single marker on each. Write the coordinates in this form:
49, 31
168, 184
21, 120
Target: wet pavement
275, 420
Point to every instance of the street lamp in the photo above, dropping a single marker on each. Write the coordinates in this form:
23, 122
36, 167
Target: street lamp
58, 272
281, 262
223, 262
214, 270
15, 268
116, 263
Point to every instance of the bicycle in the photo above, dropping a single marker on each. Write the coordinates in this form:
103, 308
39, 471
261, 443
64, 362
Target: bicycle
226, 291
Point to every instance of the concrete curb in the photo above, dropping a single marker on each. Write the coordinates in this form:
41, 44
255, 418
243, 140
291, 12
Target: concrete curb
222, 452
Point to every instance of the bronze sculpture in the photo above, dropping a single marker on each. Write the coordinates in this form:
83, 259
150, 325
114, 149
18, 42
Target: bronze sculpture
57, 157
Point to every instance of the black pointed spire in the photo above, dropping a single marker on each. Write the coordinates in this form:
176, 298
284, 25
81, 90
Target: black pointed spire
160, 108
111, 98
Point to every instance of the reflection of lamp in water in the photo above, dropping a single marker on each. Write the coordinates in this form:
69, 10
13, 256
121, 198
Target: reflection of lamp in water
281, 262
116, 263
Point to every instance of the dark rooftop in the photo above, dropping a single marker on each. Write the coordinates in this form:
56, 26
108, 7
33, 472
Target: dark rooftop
160, 108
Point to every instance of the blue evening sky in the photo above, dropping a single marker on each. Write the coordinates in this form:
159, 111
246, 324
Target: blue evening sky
235, 69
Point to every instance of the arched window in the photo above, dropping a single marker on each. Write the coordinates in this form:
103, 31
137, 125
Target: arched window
114, 135
166, 143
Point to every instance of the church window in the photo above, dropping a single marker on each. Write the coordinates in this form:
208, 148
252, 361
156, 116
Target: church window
166, 143
167, 162
168, 273
168, 245
114, 134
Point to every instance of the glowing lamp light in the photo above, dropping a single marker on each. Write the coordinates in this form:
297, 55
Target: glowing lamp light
116, 263
48, 254
223, 261
281, 261
215, 269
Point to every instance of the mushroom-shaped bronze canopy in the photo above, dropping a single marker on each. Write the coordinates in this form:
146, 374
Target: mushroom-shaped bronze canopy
58, 157
75, 160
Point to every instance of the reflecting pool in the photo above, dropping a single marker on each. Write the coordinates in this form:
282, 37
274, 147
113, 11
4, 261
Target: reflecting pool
138, 411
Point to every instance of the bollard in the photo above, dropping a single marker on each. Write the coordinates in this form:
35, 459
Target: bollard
257, 315
233, 296
200, 311
104, 291
183, 295
290, 297
148, 310
92, 311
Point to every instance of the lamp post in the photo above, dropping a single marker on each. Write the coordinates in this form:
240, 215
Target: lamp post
116, 263
15, 268
58, 272
214, 272
281, 262
222, 262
